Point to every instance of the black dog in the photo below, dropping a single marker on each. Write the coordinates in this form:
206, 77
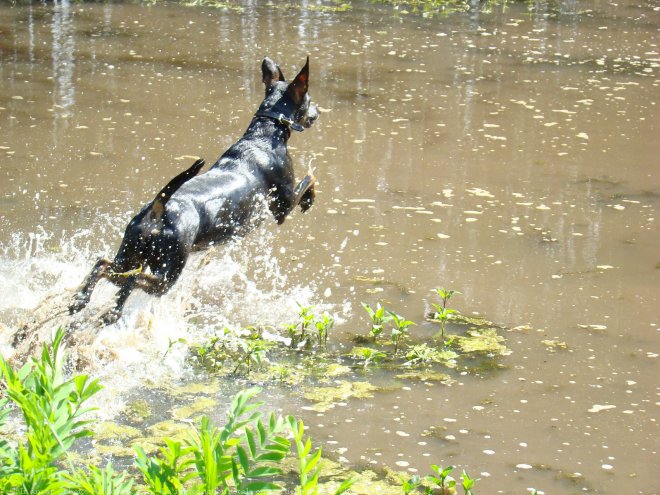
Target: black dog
195, 212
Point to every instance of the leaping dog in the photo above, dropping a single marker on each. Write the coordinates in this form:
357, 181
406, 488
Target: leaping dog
193, 212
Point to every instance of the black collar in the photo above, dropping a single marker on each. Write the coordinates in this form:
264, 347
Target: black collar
280, 119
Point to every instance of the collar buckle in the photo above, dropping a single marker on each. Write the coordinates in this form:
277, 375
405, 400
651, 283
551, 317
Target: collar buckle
281, 119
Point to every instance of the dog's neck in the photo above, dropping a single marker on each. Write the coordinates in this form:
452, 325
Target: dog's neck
271, 125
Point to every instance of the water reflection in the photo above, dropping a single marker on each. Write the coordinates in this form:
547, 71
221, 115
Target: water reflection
63, 55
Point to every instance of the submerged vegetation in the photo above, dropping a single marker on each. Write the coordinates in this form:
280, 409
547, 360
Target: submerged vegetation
426, 8
430, 8
387, 351
249, 454
388, 343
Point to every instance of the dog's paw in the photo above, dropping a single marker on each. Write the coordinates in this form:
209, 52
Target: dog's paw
79, 302
110, 317
307, 200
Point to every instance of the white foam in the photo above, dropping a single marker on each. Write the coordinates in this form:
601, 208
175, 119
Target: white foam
234, 286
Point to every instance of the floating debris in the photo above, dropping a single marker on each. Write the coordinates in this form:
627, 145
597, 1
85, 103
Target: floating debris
554, 345
593, 327
480, 192
598, 408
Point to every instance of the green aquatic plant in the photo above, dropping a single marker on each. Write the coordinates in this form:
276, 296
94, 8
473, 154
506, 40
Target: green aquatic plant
441, 482
442, 312
245, 352
309, 463
52, 408
423, 354
379, 317
171, 343
399, 330
167, 473
292, 331
97, 481
369, 354
309, 466
305, 321
468, 483
408, 486
252, 353
243, 455
280, 371
213, 354
306, 318
323, 326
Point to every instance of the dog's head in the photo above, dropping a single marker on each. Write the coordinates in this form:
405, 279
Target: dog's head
288, 99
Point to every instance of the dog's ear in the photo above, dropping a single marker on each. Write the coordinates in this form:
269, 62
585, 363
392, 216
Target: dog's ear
270, 72
298, 87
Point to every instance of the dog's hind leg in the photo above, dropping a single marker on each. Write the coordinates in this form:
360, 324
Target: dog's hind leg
113, 315
81, 299
116, 271
154, 284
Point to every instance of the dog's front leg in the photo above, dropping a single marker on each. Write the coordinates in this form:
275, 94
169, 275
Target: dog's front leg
305, 193
307, 198
285, 199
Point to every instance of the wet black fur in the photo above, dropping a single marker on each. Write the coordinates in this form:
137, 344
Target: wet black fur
194, 211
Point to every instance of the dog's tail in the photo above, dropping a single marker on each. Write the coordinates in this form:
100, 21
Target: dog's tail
158, 204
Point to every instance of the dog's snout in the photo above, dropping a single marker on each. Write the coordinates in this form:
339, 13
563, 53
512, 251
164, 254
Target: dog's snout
312, 115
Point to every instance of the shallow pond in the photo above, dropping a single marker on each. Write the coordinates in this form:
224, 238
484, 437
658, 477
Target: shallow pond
511, 156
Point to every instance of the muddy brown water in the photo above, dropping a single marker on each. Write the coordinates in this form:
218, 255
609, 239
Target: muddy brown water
511, 156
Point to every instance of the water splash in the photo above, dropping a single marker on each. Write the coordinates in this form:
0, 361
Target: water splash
233, 286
